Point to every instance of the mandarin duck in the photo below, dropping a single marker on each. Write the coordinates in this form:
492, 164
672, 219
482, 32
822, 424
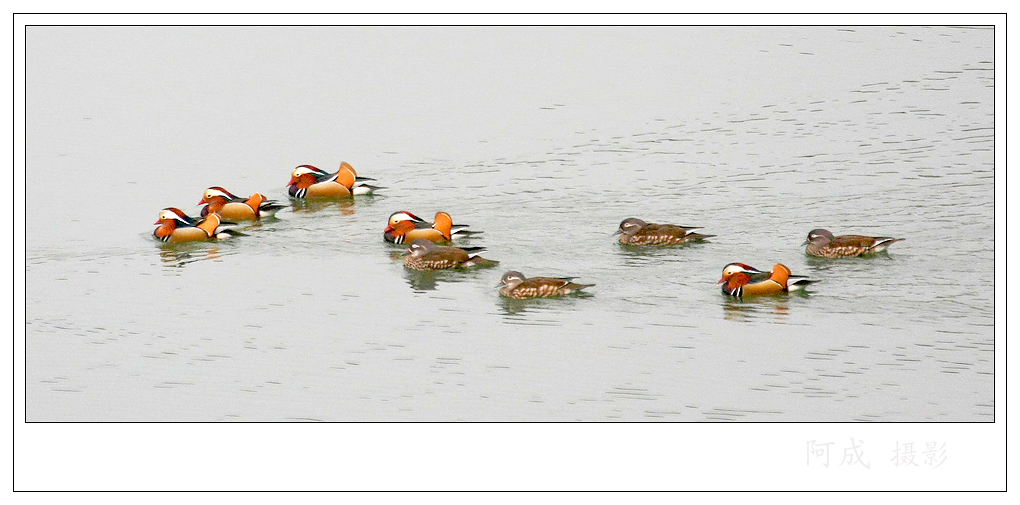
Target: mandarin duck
405, 227
823, 244
739, 279
230, 206
634, 231
515, 285
307, 181
175, 226
423, 254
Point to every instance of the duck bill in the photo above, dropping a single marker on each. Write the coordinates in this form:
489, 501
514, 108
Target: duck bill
721, 281
617, 232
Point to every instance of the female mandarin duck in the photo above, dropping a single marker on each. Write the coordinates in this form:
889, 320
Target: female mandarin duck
634, 231
175, 226
307, 181
823, 244
406, 227
229, 206
515, 285
426, 255
739, 279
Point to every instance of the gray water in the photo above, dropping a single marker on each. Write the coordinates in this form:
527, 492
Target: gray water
545, 138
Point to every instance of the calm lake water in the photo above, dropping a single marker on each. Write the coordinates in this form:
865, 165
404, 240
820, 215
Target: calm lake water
545, 138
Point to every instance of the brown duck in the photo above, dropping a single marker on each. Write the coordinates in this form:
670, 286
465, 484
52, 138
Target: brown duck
634, 231
423, 254
823, 244
515, 285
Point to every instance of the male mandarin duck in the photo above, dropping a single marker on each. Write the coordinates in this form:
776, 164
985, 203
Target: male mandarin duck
307, 181
442, 219
423, 254
229, 206
404, 215
406, 231
823, 244
404, 227
175, 226
634, 231
739, 279
515, 285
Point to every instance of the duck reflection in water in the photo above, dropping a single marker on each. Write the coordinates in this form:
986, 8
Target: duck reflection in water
176, 255
823, 267
345, 205
636, 255
421, 280
518, 306
760, 307
429, 280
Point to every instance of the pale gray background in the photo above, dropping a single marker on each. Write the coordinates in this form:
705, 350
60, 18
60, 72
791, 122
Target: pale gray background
544, 138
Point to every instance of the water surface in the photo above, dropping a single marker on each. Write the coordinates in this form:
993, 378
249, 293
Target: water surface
545, 139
